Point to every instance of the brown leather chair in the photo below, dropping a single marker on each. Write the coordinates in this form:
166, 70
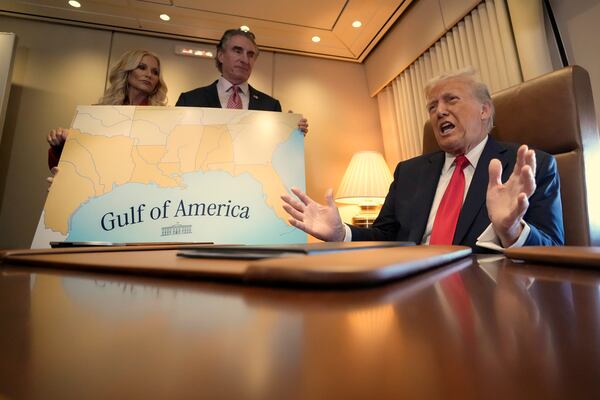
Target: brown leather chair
555, 113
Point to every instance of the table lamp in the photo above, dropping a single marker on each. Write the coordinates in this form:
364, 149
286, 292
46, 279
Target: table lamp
365, 183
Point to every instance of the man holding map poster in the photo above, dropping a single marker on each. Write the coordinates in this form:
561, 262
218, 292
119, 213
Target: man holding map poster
236, 54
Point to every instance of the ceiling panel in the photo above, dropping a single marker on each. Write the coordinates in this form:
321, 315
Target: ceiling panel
102, 13
309, 13
374, 20
284, 26
167, 2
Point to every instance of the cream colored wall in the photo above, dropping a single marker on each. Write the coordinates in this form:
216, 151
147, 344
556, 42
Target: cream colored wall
7, 48
54, 70
58, 67
579, 28
333, 96
343, 119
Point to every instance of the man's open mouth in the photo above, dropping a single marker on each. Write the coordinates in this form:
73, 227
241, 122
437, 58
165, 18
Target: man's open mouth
446, 127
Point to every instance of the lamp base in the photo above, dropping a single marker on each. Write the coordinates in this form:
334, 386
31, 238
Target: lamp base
365, 218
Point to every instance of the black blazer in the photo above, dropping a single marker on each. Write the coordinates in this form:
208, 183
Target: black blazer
408, 203
208, 96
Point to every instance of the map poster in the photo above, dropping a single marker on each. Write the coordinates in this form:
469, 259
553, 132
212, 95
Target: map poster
175, 174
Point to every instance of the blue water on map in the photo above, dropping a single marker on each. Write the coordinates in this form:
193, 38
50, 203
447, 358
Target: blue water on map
288, 161
163, 211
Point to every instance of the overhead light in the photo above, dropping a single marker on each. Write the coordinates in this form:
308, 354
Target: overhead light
193, 52
244, 28
316, 39
165, 17
357, 24
74, 3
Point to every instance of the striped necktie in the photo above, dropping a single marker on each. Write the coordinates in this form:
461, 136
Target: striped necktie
235, 100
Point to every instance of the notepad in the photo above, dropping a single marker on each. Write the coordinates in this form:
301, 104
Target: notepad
588, 256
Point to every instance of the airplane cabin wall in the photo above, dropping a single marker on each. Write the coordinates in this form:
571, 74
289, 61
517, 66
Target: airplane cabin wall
577, 21
54, 70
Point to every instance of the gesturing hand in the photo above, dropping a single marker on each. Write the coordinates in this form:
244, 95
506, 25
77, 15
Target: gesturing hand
507, 203
321, 221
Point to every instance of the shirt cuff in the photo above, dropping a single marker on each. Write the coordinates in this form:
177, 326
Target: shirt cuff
489, 240
348, 234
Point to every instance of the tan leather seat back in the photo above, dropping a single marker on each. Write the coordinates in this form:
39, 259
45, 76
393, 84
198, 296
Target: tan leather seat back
555, 113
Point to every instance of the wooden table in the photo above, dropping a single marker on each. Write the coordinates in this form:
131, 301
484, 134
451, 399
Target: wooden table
481, 328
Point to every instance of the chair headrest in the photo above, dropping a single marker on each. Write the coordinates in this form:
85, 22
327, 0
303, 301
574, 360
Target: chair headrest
554, 113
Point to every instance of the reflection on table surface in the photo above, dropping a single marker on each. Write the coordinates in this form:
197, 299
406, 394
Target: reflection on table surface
482, 327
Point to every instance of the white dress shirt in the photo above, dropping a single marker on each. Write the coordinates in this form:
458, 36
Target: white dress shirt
488, 238
224, 91
445, 176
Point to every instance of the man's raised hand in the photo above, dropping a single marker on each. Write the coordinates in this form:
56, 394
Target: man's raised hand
508, 202
321, 221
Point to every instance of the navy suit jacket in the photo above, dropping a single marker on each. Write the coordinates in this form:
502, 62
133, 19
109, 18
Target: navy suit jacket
406, 208
208, 96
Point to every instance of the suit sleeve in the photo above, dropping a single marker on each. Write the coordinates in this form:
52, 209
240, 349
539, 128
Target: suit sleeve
544, 215
181, 101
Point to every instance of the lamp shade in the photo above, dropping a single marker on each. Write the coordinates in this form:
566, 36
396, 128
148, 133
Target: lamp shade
366, 180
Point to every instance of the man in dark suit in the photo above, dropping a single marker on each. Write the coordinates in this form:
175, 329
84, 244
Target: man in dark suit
489, 214
207, 96
236, 55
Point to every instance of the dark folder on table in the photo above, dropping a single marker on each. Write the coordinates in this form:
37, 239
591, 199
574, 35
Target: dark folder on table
256, 252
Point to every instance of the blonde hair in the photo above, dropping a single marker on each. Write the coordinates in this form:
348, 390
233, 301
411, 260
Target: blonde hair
117, 91
478, 88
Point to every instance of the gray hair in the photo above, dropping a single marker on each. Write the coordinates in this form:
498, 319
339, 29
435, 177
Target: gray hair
225, 38
478, 88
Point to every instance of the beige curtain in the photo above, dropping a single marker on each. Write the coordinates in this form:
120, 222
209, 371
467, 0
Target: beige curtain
483, 40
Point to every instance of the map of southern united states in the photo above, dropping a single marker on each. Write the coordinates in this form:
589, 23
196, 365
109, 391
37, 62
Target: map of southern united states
137, 149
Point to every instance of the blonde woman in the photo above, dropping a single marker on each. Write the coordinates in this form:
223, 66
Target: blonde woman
135, 79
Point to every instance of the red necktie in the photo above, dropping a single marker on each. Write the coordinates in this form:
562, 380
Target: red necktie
447, 213
235, 101
459, 299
